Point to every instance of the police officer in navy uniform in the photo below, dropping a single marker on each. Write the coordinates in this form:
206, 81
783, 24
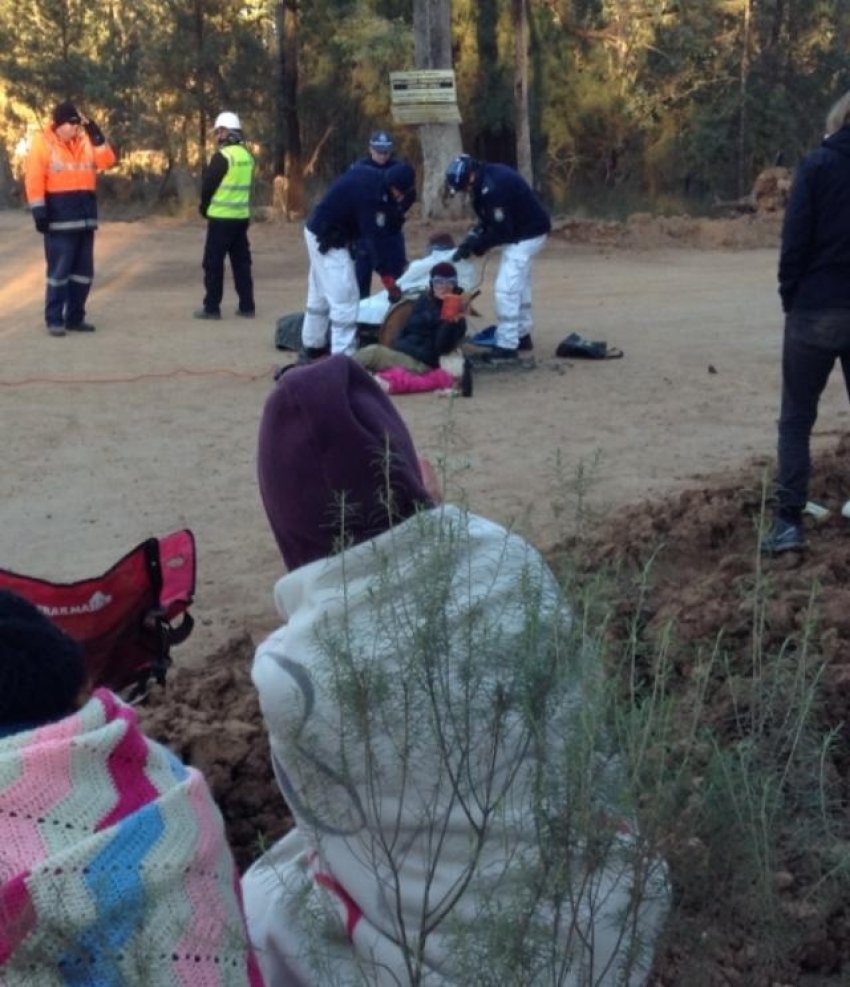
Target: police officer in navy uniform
380, 157
511, 216
226, 206
363, 203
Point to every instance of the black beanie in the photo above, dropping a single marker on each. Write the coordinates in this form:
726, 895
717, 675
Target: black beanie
65, 113
42, 669
444, 270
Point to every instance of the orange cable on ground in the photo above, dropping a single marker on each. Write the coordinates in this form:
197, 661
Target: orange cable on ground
180, 371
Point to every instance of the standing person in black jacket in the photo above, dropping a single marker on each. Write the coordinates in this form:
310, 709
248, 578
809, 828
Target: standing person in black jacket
814, 285
362, 202
435, 327
226, 206
511, 216
380, 158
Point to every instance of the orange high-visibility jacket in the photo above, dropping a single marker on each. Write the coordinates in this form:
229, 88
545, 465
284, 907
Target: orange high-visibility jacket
61, 175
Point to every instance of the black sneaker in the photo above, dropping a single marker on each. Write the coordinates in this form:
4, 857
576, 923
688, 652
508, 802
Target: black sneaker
526, 344
80, 327
784, 536
245, 313
202, 313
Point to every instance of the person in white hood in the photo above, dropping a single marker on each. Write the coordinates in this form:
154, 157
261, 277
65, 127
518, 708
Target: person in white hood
460, 817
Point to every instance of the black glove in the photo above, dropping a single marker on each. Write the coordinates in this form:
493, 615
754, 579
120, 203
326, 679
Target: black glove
39, 216
324, 246
94, 132
202, 209
462, 252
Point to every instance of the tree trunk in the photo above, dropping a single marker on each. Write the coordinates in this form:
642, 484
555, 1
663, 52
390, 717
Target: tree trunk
519, 16
293, 162
201, 93
743, 98
440, 142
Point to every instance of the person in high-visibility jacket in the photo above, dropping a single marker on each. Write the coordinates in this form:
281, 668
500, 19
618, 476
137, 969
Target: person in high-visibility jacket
60, 178
226, 206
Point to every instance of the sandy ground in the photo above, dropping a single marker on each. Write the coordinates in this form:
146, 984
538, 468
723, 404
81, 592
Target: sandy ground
150, 424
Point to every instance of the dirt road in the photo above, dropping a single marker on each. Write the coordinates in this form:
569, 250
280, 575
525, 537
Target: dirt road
150, 423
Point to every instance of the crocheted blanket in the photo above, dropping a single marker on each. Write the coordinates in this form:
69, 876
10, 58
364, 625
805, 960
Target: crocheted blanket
114, 868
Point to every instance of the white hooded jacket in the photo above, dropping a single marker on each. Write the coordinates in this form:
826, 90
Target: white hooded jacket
457, 814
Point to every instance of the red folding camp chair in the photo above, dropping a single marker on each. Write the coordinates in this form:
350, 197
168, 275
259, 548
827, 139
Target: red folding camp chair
123, 619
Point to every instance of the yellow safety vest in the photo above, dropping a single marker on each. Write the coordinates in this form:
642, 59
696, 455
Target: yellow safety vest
232, 199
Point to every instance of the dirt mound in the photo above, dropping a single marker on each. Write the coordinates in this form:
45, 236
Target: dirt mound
691, 582
643, 231
703, 544
210, 717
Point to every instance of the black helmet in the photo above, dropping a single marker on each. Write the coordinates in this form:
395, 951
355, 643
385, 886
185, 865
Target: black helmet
459, 172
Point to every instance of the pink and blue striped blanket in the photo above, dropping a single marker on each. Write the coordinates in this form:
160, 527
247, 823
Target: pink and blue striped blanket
114, 868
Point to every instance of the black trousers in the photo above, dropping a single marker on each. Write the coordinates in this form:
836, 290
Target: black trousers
814, 340
365, 255
227, 237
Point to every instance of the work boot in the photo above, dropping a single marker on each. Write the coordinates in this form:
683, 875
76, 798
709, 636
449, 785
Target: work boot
486, 337
500, 353
784, 536
80, 327
56, 330
309, 354
202, 313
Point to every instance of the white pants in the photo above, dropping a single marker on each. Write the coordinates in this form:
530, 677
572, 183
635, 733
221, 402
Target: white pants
332, 298
513, 291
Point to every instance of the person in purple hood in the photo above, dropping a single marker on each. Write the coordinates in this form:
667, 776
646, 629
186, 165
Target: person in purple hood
419, 700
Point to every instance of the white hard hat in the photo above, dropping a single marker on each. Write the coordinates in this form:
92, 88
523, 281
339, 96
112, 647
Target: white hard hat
229, 121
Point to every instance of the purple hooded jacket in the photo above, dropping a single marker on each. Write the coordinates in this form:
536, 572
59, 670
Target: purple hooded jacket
336, 463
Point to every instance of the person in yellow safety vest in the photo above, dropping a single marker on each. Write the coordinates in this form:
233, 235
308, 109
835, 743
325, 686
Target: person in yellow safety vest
60, 175
226, 206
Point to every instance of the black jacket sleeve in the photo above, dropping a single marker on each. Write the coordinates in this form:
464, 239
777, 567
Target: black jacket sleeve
797, 234
213, 175
425, 336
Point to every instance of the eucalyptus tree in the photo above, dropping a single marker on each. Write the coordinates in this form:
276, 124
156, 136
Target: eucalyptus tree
440, 142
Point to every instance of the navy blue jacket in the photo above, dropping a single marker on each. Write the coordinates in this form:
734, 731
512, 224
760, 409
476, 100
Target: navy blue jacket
357, 206
814, 261
507, 208
425, 336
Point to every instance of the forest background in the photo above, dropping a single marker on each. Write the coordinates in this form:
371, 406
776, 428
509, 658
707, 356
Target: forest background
668, 105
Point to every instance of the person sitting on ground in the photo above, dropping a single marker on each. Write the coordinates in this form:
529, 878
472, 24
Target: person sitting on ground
434, 328
373, 310
429, 710
113, 864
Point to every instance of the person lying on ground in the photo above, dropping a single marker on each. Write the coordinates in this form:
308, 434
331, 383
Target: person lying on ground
433, 329
429, 705
373, 310
114, 867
